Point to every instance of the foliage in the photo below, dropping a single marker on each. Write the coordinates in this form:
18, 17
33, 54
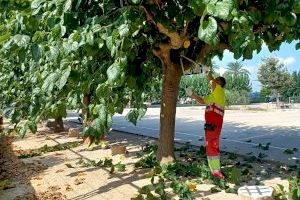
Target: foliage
46, 149
238, 84
264, 94
293, 190
236, 69
234, 97
184, 175
237, 77
294, 88
55, 52
107, 162
197, 82
273, 75
290, 150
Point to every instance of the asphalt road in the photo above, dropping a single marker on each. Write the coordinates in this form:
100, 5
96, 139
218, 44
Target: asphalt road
242, 132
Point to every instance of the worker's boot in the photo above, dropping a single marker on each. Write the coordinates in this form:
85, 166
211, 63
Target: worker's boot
218, 174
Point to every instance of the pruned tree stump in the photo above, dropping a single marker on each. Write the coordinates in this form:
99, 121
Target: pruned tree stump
256, 192
73, 132
118, 149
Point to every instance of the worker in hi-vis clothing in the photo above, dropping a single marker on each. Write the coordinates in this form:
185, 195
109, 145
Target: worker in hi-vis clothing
214, 114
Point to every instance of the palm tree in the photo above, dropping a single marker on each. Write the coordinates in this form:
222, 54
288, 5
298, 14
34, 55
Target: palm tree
236, 69
237, 77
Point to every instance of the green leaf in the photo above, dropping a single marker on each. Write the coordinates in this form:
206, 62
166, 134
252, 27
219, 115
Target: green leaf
54, 52
120, 167
4, 38
113, 73
36, 52
135, 1
109, 121
102, 90
64, 78
223, 9
97, 125
36, 6
215, 189
139, 197
236, 176
63, 30
208, 30
297, 46
90, 38
123, 30
296, 7
68, 5
49, 82
145, 189
21, 40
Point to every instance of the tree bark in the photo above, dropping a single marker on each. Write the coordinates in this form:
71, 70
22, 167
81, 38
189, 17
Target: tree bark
59, 125
277, 100
170, 87
86, 102
1, 123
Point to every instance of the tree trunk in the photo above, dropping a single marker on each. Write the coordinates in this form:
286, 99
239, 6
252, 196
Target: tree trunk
170, 86
59, 125
86, 102
1, 123
277, 100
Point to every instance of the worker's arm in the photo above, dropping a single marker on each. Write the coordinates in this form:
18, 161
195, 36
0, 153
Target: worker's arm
197, 98
211, 80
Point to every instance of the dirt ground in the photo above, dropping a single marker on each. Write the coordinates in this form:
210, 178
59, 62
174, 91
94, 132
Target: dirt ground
60, 174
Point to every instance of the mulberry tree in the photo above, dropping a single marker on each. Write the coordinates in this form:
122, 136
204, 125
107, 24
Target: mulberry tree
117, 51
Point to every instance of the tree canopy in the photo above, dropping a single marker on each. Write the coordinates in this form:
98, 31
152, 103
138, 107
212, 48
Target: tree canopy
273, 74
55, 52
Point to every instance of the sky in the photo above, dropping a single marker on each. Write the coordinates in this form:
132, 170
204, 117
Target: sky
287, 54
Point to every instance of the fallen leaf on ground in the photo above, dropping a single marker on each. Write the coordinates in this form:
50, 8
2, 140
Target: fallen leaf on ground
68, 188
122, 157
6, 184
79, 180
54, 188
81, 174
66, 158
35, 184
192, 186
37, 178
69, 165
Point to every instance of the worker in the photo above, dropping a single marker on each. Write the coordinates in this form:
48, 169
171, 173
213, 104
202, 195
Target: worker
214, 114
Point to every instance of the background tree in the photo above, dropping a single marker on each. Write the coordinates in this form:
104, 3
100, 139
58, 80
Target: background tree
293, 90
237, 78
274, 76
125, 40
264, 94
236, 69
238, 86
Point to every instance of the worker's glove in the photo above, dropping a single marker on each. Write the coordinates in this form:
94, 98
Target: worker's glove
205, 70
189, 91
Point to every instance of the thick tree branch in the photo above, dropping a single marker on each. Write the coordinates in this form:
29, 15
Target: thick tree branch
175, 40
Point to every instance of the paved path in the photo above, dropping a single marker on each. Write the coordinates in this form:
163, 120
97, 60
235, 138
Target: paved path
242, 132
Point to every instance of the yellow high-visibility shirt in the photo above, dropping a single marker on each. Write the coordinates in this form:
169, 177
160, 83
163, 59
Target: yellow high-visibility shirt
217, 96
